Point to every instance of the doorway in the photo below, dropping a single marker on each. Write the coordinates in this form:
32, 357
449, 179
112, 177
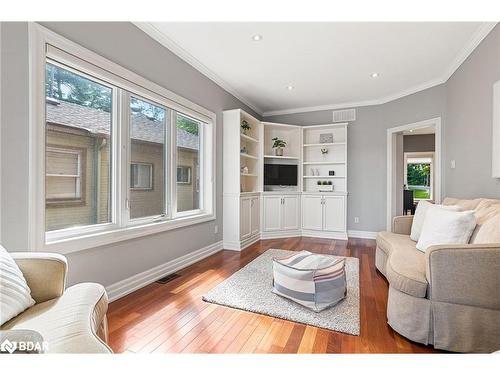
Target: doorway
413, 165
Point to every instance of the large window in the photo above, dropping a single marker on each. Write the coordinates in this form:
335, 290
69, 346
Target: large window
110, 162
77, 154
147, 152
189, 133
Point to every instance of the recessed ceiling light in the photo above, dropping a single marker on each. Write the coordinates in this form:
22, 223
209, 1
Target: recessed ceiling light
290, 88
374, 75
411, 130
257, 38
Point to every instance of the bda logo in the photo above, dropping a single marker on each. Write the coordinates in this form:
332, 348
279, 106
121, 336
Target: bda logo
7, 346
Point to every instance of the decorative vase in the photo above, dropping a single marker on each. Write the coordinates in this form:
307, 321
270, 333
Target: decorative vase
278, 151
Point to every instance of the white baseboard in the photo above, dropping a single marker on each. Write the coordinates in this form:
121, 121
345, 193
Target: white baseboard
130, 284
240, 245
281, 234
324, 234
362, 234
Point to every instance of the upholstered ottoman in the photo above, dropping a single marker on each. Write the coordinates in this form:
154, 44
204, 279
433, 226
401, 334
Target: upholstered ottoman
315, 281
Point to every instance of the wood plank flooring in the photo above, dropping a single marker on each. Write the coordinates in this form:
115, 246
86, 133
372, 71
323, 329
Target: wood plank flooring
172, 318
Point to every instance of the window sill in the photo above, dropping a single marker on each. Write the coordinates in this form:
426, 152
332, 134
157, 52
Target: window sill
92, 240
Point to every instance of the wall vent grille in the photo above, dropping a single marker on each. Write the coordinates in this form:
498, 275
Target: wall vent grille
344, 115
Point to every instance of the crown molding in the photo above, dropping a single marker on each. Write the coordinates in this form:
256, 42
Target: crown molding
161, 38
464, 53
364, 103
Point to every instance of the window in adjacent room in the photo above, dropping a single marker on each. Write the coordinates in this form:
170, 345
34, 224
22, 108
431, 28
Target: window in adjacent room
141, 176
183, 175
64, 175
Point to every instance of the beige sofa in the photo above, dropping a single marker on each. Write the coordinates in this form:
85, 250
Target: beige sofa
449, 296
70, 320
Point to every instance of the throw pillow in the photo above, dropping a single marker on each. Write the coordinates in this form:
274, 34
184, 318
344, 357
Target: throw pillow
418, 218
15, 295
442, 227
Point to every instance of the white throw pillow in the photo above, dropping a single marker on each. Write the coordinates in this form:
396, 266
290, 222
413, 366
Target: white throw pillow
418, 218
15, 294
443, 226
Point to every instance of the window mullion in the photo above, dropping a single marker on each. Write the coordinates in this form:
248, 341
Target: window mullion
123, 198
172, 191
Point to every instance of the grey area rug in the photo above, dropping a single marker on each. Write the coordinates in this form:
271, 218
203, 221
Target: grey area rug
250, 289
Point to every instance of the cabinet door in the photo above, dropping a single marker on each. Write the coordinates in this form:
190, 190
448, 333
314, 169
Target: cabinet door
312, 212
334, 214
290, 212
272, 213
245, 220
255, 216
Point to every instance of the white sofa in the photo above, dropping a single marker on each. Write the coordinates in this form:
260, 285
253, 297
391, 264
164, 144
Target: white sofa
71, 320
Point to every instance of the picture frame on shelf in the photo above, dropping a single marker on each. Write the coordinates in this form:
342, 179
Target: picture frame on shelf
326, 138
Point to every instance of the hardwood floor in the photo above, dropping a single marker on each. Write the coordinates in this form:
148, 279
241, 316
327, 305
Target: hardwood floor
172, 317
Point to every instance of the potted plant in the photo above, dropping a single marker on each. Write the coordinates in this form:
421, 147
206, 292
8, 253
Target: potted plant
278, 146
245, 126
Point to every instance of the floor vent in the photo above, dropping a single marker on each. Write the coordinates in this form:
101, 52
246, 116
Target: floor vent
167, 278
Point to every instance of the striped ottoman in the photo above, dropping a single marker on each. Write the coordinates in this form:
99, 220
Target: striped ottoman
313, 280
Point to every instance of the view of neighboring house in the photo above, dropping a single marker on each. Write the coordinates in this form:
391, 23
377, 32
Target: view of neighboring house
78, 164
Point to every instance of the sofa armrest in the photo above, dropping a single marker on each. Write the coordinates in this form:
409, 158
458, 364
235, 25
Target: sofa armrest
402, 224
464, 274
45, 273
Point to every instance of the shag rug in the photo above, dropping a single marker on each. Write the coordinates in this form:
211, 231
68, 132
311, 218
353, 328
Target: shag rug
250, 289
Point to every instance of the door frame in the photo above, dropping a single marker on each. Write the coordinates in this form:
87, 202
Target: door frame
391, 178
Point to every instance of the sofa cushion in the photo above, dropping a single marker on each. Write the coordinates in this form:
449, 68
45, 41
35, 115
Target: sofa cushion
15, 294
420, 215
446, 227
406, 264
465, 204
68, 323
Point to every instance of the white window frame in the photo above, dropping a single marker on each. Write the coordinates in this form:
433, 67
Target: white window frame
151, 171
47, 44
77, 177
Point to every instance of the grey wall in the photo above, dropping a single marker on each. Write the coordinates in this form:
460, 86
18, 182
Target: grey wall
469, 111
367, 139
126, 45
419, 143
464, 104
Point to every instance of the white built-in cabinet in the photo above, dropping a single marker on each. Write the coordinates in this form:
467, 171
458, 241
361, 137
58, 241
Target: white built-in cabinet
324, 213
281, 212
253, 211
249, 216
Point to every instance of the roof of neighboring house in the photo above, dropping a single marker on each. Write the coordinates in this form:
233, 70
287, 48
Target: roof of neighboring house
97, 122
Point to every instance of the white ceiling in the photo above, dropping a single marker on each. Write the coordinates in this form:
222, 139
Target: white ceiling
329, 64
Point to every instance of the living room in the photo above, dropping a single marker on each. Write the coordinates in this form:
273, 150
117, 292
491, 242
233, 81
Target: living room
159, 196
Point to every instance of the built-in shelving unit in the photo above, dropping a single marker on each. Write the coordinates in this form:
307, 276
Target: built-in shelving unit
321, 159
253, 211
292, 135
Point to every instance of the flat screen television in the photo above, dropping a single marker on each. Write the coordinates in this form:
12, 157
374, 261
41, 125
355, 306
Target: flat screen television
280, 174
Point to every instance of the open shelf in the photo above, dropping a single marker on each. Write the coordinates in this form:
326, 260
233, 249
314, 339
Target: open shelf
248, 138
248, 156
249, 175
281, 157
321, 177
322, 162
324, 144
